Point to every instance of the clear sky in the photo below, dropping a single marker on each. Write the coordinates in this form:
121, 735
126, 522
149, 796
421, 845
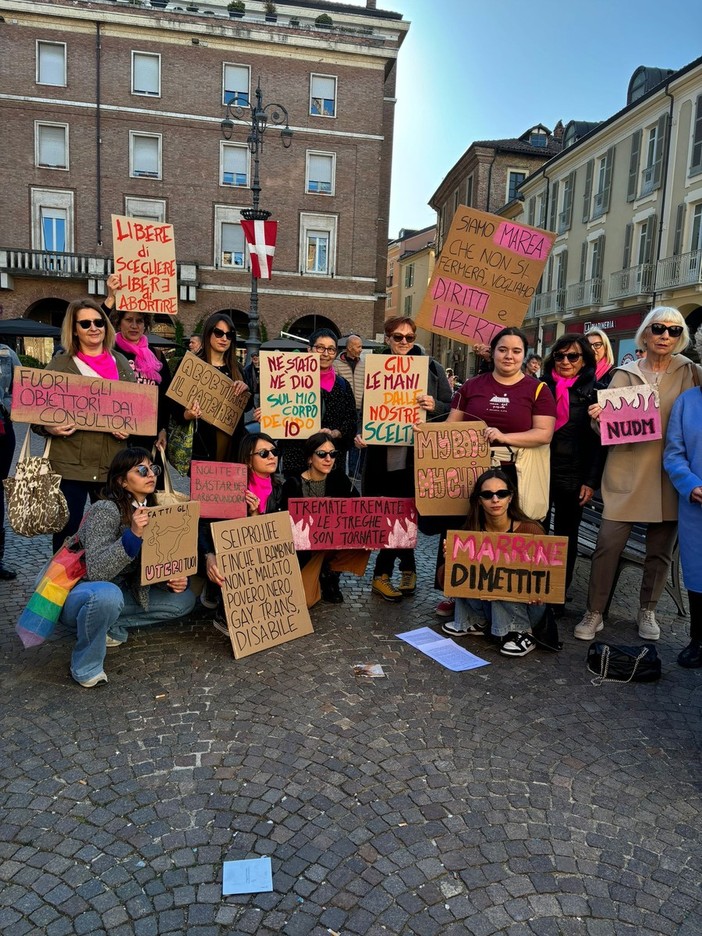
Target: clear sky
472, 70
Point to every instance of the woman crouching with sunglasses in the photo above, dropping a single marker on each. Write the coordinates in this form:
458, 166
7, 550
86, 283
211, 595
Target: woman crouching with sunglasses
111, 599
635, 487
494, 508
320, 570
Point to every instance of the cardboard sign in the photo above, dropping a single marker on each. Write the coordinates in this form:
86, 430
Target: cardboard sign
354, 522
264, 599
220, 489
291, 394
448, 460
629, 414
506, 566
169, 548
219, 401
485, 276
391, 386
146, 265
50, 398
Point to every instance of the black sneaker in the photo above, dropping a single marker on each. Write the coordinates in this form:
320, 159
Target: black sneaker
517, 645
691, 656
329, 584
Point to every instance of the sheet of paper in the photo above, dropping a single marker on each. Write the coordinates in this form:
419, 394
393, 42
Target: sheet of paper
249, 876
442, 650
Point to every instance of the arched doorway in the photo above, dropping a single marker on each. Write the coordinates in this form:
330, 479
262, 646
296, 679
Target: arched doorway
241, 323
51, 310
307, 324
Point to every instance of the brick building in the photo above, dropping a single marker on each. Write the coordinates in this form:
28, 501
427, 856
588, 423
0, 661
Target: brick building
115, 107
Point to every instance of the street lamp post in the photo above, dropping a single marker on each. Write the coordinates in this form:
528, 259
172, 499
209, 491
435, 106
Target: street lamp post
261, 117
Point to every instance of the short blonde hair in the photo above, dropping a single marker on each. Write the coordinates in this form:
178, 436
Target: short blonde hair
69, 339
609, 354
664, 314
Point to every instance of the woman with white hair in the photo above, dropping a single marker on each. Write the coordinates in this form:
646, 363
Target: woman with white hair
635, 488
604, 356
683, 462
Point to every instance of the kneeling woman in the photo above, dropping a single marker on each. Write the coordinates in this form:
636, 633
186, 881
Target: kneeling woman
110, 599
494, 508
320, 570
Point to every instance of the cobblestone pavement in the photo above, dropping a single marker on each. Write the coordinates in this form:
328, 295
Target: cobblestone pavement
517, 798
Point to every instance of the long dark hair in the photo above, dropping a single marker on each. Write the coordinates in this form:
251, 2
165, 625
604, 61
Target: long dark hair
114, 490
248, 447
510, 330
310, 446
230, 359
567, 341
476, 514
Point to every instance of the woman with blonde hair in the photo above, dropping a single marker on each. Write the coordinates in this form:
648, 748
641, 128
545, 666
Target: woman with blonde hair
635, 488
604, 356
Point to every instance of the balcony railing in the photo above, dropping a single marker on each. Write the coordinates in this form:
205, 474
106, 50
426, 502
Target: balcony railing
636, 281
683, 270
548, 302
54, 264
580, 295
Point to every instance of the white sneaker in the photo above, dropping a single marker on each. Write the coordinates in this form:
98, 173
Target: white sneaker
648, 626
589, 626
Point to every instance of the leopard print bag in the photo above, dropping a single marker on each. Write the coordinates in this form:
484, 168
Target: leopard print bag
35, 504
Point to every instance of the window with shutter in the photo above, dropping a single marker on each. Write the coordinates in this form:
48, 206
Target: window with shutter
51, 145
320, 173
234, 164
145, 155
632, 185
235, 84
323, 96
146, 73
51, 63
587, 194
679, 225
696, 161
553, 211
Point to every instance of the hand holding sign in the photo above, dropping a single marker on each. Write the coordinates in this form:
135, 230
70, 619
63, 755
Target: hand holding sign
140, 518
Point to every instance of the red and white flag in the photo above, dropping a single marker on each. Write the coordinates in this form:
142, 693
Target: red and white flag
260, 236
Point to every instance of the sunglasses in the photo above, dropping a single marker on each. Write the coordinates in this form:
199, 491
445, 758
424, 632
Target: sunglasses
658, 328
503, 493
86, 323
144, 470
267, 453
221, 333
572, 356
321, 454
320, 349
409, 339
596, 345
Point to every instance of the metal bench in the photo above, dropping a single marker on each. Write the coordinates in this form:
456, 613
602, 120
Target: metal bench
633, 554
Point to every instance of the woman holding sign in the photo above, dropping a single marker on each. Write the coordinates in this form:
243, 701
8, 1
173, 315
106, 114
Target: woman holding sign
218, 349
494, 508
635, 487
82, 458
321, 570
111, 599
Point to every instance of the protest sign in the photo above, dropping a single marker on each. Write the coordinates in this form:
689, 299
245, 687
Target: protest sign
629, 414
506, 566
169, 546
485, 276
220, 489
448, 460
221, 405
354, 522
51, 398
264, 599
392, 384
146, 265
291, 394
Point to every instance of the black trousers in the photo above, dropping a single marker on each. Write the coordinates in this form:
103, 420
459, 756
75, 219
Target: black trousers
695, 599
565, 517
75, 493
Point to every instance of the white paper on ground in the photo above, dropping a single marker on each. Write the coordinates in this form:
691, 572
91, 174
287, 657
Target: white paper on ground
249, 876
442, 649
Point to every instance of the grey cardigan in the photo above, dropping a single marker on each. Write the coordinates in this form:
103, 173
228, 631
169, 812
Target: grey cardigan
106, 559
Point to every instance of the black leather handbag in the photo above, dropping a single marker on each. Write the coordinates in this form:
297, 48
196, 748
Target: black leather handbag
613, 663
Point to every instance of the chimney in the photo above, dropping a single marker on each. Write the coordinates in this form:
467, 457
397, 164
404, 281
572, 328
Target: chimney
559, 131
370, 4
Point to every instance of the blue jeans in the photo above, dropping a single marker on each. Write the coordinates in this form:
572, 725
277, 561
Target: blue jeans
502, 616
98, 608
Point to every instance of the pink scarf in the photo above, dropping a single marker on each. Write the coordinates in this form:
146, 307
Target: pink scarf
563, 385
261, 488
146, 364
103, 364
602, 367
327, 378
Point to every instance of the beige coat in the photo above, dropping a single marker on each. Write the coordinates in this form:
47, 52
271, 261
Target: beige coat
635, 488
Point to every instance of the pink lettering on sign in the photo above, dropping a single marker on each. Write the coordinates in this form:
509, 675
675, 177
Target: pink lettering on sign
464, 324
468, 297
522, 240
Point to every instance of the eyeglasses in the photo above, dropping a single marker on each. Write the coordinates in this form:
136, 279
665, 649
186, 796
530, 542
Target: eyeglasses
659, 328
596, 345
86, 323
322, 349
143, 470
572, 356
503, 493
221, 333
267, 453
408, 339
321, 454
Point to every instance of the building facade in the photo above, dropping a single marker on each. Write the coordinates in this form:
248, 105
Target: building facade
624, 198
488, 176
410, 265
115, 108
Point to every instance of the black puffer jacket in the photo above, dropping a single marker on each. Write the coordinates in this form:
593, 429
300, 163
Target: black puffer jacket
577, 457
